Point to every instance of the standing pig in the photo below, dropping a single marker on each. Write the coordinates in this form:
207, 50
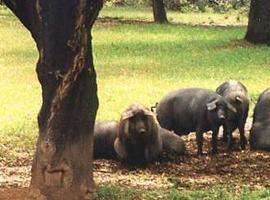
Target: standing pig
237, 95
260, 131
138, 139
194, 109
104, 136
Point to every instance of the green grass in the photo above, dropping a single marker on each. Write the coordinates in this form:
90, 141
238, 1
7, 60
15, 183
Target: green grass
135, 63
107, 192
142, 63
115, 193
194, 18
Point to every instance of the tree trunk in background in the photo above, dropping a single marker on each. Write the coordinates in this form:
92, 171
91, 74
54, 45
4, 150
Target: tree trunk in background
159, 11
258, 30
62, 167
172, 5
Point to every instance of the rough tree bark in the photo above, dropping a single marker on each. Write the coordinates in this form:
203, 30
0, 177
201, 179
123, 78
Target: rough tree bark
62, 166
159, 11
258, 30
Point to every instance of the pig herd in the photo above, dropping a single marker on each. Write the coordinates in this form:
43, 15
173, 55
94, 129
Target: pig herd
141, 136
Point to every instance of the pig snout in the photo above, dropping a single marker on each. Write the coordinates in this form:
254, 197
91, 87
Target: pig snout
221, 114
140, 127
142, 131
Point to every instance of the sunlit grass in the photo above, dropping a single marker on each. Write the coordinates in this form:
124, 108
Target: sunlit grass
145, 62
232, 18
106, 192
134, 62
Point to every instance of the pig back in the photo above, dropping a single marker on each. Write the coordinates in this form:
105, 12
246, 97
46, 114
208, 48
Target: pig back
183, 110
260, 131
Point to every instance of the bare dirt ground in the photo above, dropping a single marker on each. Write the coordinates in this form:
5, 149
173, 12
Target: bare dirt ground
234, 169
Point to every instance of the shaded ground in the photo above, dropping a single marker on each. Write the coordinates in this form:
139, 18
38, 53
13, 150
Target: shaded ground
13, 193
233, 169
113, 21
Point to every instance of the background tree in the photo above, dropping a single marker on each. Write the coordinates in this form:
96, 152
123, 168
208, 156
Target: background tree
174, 5
62, 167
258, 30
159, 11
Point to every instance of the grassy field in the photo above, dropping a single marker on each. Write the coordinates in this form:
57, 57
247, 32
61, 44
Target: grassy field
135, 62
234, 18
116, 193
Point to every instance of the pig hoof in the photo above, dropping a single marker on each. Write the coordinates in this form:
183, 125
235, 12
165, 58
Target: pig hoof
229, 150
214, 152
243, 144
224, 139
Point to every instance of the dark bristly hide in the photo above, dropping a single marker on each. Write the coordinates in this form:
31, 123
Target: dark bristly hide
172, 143
237, 95
105, 133
260, 131
138, 140
194, 109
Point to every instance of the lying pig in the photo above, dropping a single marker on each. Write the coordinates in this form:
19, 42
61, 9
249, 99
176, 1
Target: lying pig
104, 137
138, 139
172, 143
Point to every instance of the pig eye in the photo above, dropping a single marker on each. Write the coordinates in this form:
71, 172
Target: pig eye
132, 119
144, 117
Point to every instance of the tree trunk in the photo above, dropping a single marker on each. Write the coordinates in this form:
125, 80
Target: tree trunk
159, 11
172, 5
258, 30
62, 166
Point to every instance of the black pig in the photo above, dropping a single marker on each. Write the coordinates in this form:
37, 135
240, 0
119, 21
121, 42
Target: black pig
237, 95
172, 143
138, 140
105, 133
194, 109
260, 131
104, 136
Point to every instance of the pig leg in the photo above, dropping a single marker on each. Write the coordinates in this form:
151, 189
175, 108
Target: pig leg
243, 140
228, 131
230, 139
199, 140
214, 140
225, 136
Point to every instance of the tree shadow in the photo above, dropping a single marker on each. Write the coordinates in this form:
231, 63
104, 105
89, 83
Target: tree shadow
121, 20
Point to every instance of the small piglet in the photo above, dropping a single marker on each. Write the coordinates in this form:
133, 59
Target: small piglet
194, 109
237, 95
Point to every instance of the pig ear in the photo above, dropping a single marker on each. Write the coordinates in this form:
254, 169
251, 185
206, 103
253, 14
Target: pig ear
212, 105
127, 115
230, 107
148, 112
239, 99
120, 149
